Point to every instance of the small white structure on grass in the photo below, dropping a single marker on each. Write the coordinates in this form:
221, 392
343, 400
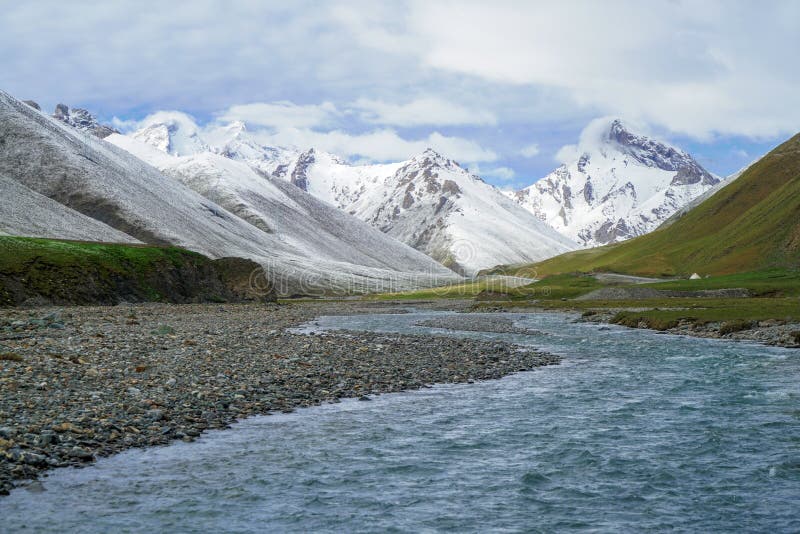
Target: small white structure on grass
694, 276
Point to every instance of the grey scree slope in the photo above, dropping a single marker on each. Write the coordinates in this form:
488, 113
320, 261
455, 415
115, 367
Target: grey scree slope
110, 185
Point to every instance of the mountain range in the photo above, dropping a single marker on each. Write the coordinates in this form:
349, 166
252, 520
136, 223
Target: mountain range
316, 220
617, 185
102, 191
428, 202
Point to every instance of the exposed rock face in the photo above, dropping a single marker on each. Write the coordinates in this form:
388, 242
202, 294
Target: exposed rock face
82, 120
300, 172
621, 185
652, 153
33, 104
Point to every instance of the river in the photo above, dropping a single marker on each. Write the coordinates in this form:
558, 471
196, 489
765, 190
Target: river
633, 431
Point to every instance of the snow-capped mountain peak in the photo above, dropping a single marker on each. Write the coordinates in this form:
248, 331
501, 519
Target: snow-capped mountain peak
614, 185
172, 132
433, 160
658, 154
177, 134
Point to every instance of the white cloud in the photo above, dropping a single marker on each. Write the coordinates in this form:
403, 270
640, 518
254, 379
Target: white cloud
422, 111
504, 174
530, 150
287, 124
378, 145
282, 114
377, 25
124, 125
184, 121
567, 154
699, 68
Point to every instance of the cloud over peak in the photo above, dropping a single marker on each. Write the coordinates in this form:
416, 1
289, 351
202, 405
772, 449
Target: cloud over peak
282, 114
422, 111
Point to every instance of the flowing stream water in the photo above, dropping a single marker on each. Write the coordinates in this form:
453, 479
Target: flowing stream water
634, 431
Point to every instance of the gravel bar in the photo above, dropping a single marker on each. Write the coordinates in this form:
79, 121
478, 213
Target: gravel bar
85, 382
478, 323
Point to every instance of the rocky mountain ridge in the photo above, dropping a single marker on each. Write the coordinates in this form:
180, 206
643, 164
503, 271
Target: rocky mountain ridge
617, 186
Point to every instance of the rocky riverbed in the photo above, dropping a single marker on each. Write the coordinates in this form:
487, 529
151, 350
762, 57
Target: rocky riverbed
79, 383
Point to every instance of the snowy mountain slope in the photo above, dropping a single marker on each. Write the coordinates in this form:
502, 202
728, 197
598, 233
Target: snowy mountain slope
297, 218
108, 184
428, 202
618, 185
437, 207
25, 212
329, 178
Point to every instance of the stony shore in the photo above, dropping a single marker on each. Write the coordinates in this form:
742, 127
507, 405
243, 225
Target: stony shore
480, 323
83, 382
772, 332
775, 333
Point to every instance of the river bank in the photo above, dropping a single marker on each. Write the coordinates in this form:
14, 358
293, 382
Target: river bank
770, 332
680, 320
83, 382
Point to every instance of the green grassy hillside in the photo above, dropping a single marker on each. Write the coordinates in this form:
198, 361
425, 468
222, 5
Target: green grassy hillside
76, 272
753, 224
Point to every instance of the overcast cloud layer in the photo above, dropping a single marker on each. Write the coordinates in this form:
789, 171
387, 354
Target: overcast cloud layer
500, 86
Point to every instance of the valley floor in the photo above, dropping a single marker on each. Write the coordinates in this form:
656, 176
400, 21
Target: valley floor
84, 382
762, 307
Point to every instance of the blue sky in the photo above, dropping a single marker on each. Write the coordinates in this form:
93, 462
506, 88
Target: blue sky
499, 86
